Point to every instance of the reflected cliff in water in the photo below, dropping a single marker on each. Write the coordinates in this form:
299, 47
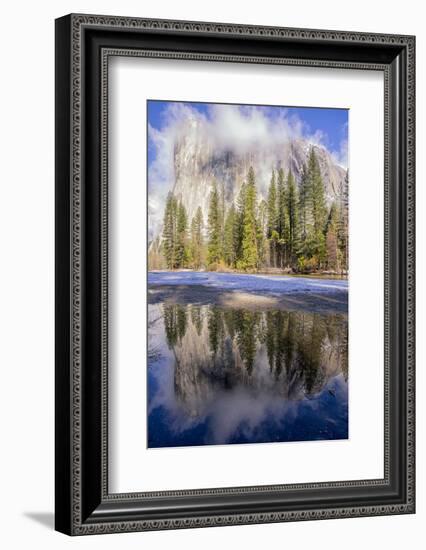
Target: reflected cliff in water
218, 375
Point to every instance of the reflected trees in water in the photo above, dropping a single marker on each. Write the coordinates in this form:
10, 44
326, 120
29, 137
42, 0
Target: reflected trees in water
227, 347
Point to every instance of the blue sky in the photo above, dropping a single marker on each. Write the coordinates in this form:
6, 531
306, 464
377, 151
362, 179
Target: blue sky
329, 125
238, 128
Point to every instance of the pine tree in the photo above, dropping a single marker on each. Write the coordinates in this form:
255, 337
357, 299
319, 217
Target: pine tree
305, 206
262, 226
272, 228
246, 324
292, 227
216, 329
343, 223
181, 236
332, 259
222, 214
197, 318
239, 221
196, 249
214, 229
281, 211
311, 250
231, 237
175, 323
313, 214
292, 216
169, 231
319, 211
249, 260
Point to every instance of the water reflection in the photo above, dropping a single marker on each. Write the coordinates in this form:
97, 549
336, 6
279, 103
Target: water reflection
218, 375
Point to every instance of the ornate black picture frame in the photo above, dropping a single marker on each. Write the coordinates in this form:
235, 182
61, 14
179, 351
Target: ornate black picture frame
83, 45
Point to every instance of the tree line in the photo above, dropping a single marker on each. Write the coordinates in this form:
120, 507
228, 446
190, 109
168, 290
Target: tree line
294, 341
293, 229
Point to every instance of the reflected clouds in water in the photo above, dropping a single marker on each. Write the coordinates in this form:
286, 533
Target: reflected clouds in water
219, 375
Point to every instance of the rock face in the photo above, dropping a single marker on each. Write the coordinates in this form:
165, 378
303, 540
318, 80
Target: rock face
286, 355
198, 163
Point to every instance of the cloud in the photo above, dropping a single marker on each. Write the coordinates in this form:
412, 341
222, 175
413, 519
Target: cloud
240, 128
244, 127
340, 156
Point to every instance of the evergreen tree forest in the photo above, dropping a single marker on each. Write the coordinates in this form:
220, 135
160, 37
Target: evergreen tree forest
293, 230
294, 341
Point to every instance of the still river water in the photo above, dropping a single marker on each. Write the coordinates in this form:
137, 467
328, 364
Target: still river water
223, 375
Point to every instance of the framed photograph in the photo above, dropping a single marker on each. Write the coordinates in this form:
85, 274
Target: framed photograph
234, 274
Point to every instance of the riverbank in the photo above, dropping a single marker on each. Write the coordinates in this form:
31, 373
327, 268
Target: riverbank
272, 272
253, 292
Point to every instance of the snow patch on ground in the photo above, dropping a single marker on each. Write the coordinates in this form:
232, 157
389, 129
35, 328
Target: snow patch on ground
252, 283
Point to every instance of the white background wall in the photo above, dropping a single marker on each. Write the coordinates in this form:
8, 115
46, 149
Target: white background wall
26, 289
